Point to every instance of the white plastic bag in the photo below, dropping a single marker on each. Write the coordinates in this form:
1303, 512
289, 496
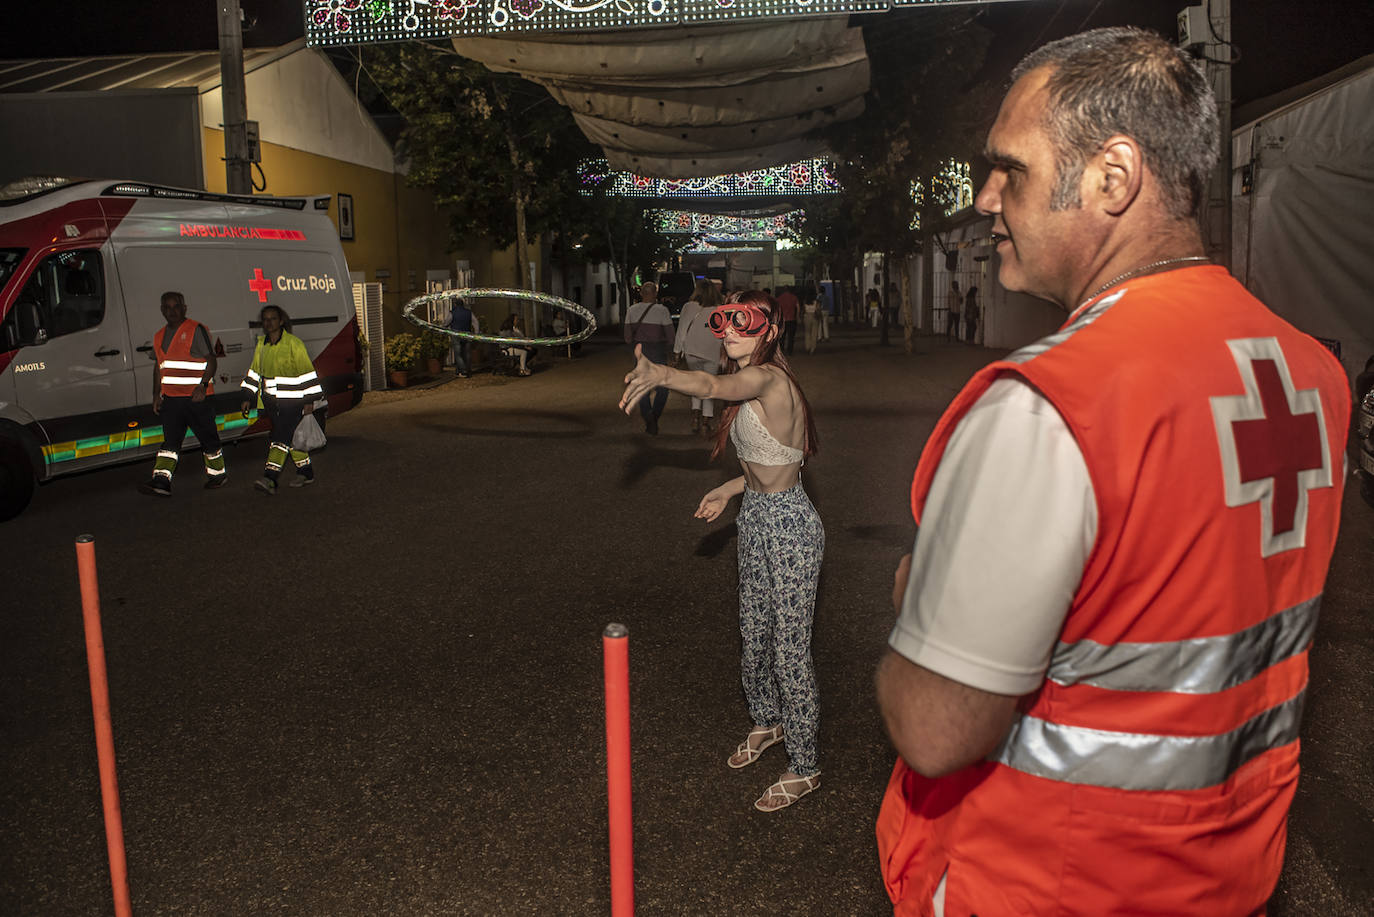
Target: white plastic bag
308, 436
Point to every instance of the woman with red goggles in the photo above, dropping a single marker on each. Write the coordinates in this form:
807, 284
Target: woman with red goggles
781, 540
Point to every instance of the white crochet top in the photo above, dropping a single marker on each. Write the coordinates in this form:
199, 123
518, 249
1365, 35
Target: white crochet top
755, 444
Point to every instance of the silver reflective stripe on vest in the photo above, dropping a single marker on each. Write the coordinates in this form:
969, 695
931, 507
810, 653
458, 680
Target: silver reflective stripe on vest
1054, 340
1140, 761
1202, 666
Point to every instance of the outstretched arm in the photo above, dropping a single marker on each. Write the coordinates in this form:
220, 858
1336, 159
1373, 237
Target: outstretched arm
714, 503
648, 375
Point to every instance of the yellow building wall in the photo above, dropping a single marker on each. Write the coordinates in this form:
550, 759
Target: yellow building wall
397, 229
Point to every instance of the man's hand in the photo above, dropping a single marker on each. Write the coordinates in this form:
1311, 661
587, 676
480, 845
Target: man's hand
157, 403
899, 581
309, 408
198, 393
245, 408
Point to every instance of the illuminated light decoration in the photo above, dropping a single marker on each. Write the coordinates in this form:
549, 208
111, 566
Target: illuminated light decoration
951, 187
491, 293
918, 199
350, 22
809, 176
695, 11
704, 247
717, 227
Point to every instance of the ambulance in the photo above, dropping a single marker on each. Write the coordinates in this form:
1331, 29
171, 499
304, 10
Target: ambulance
83, 266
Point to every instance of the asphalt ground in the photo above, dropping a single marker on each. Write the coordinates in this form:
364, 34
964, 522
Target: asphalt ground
383, 694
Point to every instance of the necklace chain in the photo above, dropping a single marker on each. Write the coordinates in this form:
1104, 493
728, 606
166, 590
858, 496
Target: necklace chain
1136, 272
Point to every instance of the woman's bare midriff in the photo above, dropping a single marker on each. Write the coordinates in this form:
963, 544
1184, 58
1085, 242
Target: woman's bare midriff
770, 479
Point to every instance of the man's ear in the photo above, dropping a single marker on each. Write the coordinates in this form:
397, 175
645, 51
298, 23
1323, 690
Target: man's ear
1118, 175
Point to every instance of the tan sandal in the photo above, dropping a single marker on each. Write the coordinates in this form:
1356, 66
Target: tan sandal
780, 791
772, 735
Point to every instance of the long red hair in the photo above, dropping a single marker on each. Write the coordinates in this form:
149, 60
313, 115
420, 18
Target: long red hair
766, 351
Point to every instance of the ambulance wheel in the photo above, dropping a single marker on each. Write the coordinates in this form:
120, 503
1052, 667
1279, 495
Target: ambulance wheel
17, 479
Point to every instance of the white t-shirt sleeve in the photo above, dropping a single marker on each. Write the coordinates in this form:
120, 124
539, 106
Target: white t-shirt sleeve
1005, 533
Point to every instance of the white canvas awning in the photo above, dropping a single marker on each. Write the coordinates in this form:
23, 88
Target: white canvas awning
692, 102
1303, 210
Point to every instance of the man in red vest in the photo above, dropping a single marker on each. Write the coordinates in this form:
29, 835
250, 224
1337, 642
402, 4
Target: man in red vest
182, 380
1096, 677
788, 305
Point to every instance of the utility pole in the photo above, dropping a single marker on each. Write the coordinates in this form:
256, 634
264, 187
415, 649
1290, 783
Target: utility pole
1207, 28
238, 178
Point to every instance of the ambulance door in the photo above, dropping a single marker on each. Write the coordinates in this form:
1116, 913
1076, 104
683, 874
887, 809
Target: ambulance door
73, 369
310, 287
205, 275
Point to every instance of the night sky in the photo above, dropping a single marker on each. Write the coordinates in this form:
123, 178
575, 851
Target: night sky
1282, 42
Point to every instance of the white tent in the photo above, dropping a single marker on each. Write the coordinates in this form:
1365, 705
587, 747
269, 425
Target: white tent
1303, 209
699, 101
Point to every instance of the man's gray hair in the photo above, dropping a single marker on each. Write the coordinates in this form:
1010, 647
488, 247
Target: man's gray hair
1129, 81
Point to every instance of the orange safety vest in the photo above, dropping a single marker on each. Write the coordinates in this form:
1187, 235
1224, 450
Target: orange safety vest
179, 371
1152, 771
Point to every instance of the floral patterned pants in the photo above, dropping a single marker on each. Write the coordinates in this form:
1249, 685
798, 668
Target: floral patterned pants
781, 542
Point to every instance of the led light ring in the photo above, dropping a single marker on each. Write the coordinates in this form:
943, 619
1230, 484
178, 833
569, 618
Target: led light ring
490, 293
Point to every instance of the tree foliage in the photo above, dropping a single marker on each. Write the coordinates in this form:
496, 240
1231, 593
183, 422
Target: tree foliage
483, 142
499, 152
923, 108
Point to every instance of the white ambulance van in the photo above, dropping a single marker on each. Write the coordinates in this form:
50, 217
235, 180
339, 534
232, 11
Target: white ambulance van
83, 266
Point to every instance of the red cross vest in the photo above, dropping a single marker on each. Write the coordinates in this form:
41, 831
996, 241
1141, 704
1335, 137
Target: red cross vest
1152, 771
179, 371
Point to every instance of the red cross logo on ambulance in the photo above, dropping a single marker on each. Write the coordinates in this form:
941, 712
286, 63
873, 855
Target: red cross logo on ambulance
284, 283
1274, 447
260, 284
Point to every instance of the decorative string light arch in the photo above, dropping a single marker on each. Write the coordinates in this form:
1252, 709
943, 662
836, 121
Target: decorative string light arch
355, 22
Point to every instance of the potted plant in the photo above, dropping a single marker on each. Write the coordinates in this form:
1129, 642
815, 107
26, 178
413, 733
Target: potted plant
401, 353
435, 346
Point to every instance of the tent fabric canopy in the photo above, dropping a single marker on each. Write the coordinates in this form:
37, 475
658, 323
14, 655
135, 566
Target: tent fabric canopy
1301, 217
695, 102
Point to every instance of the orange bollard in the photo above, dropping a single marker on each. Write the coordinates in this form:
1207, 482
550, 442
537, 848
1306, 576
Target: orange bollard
104, 734
615, 645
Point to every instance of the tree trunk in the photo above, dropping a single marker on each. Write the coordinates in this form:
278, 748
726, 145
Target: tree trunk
618, 265
908, 329
522, 245
885, 297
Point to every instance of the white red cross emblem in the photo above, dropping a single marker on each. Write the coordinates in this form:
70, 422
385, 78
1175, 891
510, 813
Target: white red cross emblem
1274, 447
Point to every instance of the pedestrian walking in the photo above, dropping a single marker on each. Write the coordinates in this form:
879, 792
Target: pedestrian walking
699, 349
789, 305
811, 317
1109, 725
282, 382
649, 329
781, 540
183, 380
972, 313
461, 319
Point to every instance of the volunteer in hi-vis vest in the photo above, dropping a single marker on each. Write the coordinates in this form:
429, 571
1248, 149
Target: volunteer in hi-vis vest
282, 380
183, 377
1097, 672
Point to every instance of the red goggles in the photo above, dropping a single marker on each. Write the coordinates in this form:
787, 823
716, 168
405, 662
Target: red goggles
746, 320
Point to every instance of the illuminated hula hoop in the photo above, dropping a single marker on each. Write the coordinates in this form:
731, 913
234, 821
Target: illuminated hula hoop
486, 293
